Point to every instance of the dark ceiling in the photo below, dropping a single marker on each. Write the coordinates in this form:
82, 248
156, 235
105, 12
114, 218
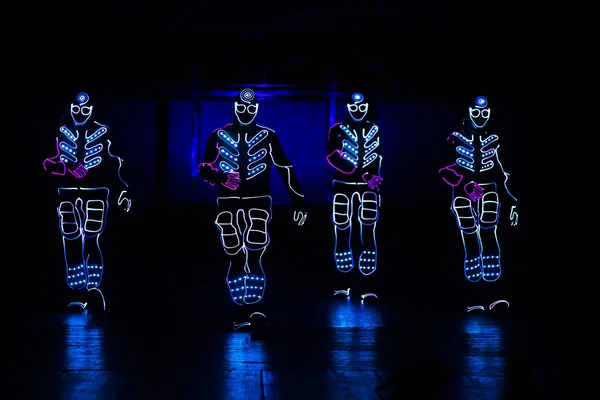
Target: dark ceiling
415, 47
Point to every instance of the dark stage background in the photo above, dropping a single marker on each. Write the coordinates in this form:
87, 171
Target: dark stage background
164, 79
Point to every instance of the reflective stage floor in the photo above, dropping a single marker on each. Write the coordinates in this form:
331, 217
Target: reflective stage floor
167, 332
336, 349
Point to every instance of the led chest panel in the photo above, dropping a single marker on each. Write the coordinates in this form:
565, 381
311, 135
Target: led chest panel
353, 153
238, 158
476, 194
82, 147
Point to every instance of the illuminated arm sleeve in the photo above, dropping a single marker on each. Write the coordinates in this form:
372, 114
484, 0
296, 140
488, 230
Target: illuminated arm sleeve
506, 175
335, 147
450, 173
450, 176
208, 168
119, 162
286, 170
54, 164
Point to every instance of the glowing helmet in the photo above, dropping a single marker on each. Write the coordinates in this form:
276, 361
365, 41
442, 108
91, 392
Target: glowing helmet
480, 114
80, 112
246, 107
358, 108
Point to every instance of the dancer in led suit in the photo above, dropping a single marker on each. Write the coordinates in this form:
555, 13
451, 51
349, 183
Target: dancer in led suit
353, 151
478, 182
238, 158
85, 166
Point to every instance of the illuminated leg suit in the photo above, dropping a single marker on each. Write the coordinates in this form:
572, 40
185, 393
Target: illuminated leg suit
238, 157
475, 178
352, 151
82, 212
82, 164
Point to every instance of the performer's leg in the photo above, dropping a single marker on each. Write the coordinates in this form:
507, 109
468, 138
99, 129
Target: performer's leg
490, 248
368, 214
342, 221
228, 221
256, 240
70, 227
95, 209
469, 231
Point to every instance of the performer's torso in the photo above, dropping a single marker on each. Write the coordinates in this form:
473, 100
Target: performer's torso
86, 145
476, 155
246, 150
361, 146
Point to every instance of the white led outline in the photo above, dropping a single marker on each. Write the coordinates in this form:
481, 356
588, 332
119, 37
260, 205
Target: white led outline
479, 209
288, 170
495, 303
364, 296
78, 304
261, 167
351, 113
255, 167
238, 326
82, 232
242, 247
474, 308
257, 313
85, 275
80, 109
90, 159
480, 112
88, 219
345, 260
253, 116
264, 221
223, 235
362, 222
101, 296
300, 217
344, 292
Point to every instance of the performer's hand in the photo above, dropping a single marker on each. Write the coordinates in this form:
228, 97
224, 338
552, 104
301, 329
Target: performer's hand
373, 181
474, 191
514, 216
233, 180
300, 217
78, 171
124, 201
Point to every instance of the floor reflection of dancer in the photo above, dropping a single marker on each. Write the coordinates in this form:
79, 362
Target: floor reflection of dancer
353, 148
478, 182
86, 167
238, 158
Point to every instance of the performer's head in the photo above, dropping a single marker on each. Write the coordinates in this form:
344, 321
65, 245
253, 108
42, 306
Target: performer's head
358, 108
479, 115
246, 107
80, 112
